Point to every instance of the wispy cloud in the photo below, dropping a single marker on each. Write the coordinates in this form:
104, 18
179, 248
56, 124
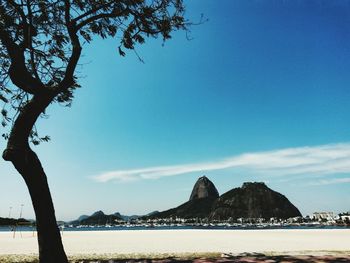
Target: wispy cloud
315, 160
331, 181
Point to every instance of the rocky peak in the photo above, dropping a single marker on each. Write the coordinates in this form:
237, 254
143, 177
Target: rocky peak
253, 185
204, 188
117, 214
253, 200
98, 213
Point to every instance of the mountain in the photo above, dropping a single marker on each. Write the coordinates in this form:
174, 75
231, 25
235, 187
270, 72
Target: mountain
127, 218
12, 221
204, 188
100, 218
253, 200
199, 208
97, 218
203, 196
82, 217
152, 213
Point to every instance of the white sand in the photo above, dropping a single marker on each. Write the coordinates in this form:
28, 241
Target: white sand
185, 241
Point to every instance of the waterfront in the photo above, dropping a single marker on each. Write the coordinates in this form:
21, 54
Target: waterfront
178, 227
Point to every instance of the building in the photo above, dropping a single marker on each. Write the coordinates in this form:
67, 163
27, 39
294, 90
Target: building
323, 216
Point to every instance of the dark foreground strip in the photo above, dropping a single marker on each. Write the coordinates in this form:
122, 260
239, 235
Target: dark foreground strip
241, 259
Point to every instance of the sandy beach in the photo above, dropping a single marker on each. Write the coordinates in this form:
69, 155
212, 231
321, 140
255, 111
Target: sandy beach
185, 241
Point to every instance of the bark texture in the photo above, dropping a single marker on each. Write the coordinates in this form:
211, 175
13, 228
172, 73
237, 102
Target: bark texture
29, 166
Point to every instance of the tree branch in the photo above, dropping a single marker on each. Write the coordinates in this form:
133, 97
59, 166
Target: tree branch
18, 71
99, 16
68, 79
30, 40
18, 9
24, 123
92, 11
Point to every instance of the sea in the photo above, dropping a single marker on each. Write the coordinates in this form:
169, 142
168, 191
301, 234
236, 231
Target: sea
133, 228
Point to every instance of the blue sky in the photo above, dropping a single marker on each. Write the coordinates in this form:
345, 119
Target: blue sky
261, 93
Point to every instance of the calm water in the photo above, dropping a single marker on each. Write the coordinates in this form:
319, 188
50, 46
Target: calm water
103, 228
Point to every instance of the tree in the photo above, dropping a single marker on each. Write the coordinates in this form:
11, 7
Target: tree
40, 46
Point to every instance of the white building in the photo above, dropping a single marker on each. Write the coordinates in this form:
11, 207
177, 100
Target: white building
319, 216
345, 217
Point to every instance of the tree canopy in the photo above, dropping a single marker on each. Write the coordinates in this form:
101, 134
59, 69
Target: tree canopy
41, 43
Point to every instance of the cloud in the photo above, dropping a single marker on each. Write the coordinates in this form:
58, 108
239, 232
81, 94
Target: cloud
331, 181
315, 160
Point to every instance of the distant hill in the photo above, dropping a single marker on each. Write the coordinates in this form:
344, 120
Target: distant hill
82, 217
97, 218
133, 217
152, 213
127, 218
12, 221
253, 200
100, 218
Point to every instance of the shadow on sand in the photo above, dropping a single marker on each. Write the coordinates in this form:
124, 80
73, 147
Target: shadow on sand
246, 258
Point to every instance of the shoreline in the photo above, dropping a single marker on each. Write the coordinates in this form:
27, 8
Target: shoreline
179, 227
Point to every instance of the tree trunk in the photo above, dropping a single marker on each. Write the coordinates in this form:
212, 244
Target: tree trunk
49, 239
28, 165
